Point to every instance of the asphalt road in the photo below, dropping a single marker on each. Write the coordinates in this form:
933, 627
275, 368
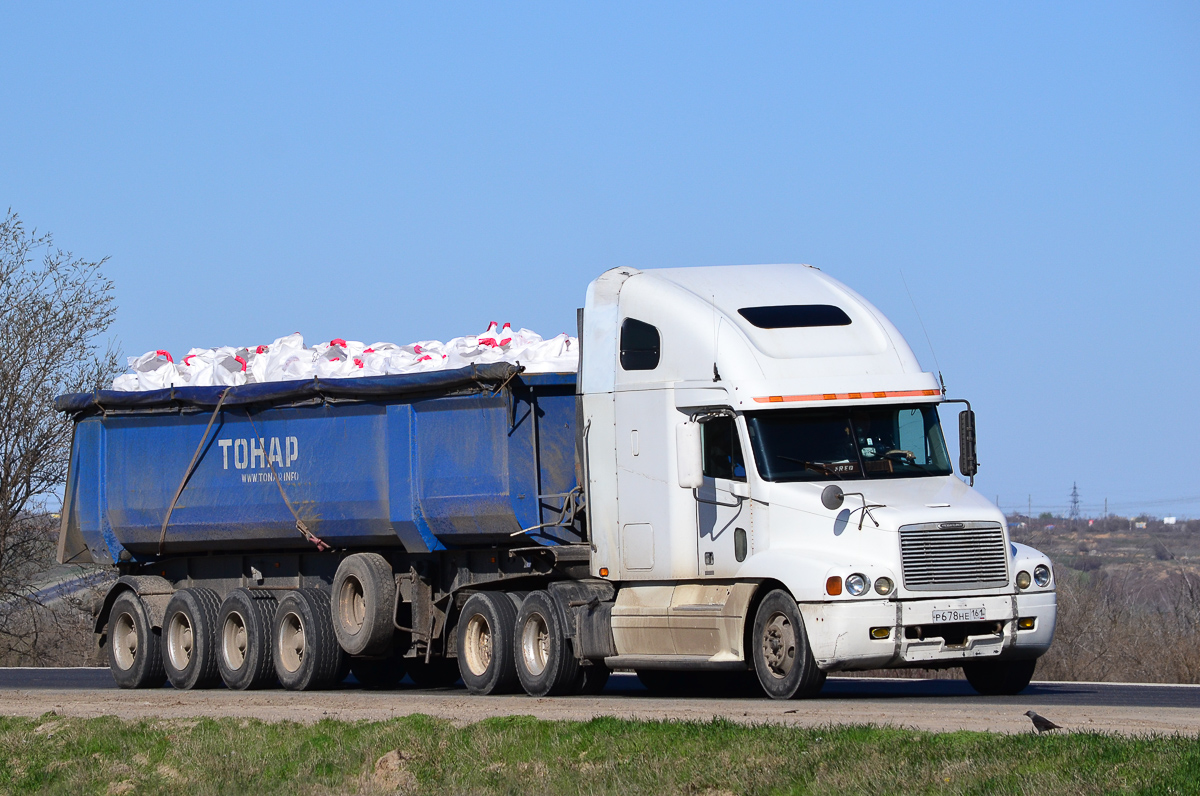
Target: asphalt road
837, 689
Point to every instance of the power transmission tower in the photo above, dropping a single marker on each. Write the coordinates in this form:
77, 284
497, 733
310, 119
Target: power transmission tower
1074, 515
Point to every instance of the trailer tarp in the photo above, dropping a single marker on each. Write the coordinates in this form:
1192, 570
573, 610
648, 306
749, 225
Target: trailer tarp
363, 389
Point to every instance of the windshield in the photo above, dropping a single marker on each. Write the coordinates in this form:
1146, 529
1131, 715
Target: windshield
848, 443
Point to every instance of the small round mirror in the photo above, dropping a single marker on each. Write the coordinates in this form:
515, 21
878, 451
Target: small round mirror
832, 497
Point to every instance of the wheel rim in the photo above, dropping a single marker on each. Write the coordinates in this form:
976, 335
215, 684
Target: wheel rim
180, 640
124, 641
535, 644
234, 640
478, 645
779, 645
291, 642
352, 605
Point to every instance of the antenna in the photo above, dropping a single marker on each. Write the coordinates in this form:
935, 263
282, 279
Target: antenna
716, 334
926, 332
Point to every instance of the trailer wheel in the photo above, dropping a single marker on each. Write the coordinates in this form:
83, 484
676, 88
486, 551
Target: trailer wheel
306, 651
546, 664
999, 678
364, 598
244, 638
189, 639
134, 651
783, 659
378, 674
485, 644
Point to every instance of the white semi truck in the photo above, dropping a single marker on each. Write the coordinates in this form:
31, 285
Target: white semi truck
746, 479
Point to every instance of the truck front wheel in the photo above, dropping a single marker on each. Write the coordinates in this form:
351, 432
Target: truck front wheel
189, 638
485, 644
999, 678
134, 651
546, 664
307, 655
783, 659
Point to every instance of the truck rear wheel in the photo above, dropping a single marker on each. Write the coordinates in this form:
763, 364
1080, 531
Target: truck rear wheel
546, 665
782, 657
189, 639
134, 651
364, 599
306, 651
244, 638
485, 644
999, 678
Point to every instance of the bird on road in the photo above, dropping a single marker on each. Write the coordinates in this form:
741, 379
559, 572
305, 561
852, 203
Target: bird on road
1041, 723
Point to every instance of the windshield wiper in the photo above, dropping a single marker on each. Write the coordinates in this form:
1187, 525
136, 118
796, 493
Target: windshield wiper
820, 468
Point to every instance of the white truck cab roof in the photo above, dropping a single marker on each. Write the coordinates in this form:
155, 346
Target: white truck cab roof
760, 336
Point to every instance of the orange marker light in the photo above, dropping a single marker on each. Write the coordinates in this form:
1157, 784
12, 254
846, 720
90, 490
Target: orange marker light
844, 396
604, 572
833, 586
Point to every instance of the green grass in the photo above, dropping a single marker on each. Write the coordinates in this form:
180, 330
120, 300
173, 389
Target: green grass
526, 756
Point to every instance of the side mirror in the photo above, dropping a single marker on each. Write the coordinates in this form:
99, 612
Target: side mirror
968, 463
832, 497
690, 464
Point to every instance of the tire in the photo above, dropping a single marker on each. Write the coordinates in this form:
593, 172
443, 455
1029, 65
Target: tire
1000, 678
485, 644
305, 650
134, 651
592, 679
782, 657
378, 674
364, 601
438, 673
546, 664
189, 639
244, 633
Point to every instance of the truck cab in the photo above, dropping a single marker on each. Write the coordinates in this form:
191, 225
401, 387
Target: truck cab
764, 430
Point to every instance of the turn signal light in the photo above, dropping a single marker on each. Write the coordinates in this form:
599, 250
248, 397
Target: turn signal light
604, 572
1026, 623
881, 632
833, 586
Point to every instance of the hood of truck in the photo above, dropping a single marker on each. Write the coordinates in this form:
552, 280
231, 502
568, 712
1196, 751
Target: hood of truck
905, 501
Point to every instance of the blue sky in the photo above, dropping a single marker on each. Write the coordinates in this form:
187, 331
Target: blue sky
399, 172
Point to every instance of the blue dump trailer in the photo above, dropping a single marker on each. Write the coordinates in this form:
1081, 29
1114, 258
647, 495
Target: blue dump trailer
745, 481
452, 478
421, 462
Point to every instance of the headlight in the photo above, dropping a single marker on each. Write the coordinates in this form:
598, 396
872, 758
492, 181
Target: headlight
884, 585
857, 583
1023, 580
1041, 575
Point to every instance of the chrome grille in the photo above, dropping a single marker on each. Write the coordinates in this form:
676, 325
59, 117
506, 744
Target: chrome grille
956, 555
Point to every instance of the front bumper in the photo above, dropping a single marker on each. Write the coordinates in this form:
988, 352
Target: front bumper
840, 632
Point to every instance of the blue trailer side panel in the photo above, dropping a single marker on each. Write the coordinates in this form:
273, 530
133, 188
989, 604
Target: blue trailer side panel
422, 474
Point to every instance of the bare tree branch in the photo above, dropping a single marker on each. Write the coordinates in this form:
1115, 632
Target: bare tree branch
55, 308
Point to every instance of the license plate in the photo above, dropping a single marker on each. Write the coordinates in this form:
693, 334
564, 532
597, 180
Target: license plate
960, 615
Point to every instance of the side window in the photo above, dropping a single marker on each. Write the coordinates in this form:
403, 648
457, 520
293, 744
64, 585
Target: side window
639, 345
911, 423
722, 450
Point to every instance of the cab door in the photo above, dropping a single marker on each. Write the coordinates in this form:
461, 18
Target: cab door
723, 509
